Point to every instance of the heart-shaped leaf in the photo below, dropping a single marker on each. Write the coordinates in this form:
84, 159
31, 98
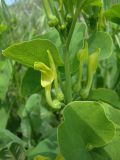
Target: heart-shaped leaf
103, 41
85, 127
33, 51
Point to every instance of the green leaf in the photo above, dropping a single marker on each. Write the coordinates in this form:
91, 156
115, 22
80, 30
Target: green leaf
54, 37
14, 152
105, 95
110, 151
4, 115
33, 51
31, 120
113, 14
89, 126
103, 41
112, 113
7, 137
5, 76
47, 147
30, 82
76, 43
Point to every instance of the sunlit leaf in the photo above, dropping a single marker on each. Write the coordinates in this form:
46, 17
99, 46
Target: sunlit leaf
33, 51
89, 126
103, 41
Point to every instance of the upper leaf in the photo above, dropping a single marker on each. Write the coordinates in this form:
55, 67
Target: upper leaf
103, 41
33, 51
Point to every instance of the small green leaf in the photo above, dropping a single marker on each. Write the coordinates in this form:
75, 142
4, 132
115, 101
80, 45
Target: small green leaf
33, 51
30, 82
88, 128
103, 41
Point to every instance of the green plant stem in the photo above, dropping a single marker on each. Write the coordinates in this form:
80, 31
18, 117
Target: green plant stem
73, 25
47, 8
54, 104
48, 96
68, 86
68, 89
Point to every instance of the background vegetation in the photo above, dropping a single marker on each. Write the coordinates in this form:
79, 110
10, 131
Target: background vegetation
27, 129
